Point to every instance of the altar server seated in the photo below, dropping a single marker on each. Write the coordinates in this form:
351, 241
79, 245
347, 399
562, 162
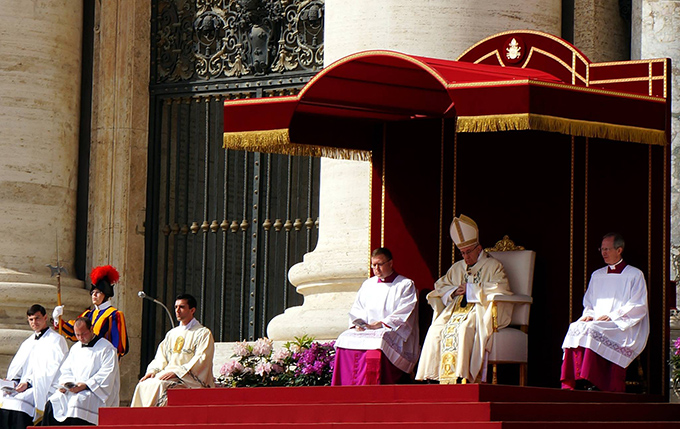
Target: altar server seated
614, 327
184, 358
31, 373
89, 379
381, 344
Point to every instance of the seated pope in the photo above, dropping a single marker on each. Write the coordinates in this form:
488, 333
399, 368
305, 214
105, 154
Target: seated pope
381, 345
614, 327
458, 341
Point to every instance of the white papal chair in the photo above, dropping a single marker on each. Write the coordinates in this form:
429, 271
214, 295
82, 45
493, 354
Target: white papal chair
511, 344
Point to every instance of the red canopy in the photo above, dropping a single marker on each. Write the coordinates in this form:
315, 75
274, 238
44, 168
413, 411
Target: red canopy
546, 84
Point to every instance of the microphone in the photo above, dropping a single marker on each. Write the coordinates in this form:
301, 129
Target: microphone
143, 295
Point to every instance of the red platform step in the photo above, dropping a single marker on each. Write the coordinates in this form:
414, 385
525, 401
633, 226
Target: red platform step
405, 406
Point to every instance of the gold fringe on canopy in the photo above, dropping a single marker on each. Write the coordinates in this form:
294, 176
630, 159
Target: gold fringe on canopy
572, 127
278, 141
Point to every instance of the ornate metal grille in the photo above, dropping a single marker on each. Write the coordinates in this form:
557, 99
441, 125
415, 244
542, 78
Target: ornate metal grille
216, 41
226, 225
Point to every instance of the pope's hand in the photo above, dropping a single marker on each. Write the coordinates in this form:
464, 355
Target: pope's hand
57, 312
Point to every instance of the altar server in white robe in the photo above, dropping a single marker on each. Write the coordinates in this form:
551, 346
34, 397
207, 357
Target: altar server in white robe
183, 359
614, 327
89, 379
458, 341
33, 370
382, 342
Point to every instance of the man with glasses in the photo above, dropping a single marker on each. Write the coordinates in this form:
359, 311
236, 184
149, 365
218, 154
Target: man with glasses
614, 327
459, 338
381, 344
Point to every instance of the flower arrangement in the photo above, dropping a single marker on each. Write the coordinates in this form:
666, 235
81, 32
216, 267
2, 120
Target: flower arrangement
302, 362
675, 366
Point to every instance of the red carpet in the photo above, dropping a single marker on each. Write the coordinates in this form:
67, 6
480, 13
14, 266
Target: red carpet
405, 406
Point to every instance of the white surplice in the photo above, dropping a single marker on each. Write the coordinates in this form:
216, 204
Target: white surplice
475, 337
97, 367
394, 304
187, 351
37, 363
622, 297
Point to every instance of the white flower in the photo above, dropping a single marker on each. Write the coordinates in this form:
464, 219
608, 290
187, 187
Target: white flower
263, 347
280, 355
263, 368
242, 348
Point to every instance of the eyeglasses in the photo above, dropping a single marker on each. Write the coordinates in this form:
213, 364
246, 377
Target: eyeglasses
379, 264
468, 252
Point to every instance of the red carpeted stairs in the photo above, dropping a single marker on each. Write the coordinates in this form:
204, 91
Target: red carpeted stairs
404, 406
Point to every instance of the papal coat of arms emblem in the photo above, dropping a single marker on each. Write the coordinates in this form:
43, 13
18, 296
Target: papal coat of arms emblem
514, 50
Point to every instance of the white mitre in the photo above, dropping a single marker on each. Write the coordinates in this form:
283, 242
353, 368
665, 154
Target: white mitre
464, 231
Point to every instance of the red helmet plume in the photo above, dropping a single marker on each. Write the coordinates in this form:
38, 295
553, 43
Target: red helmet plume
103, 278
105, 271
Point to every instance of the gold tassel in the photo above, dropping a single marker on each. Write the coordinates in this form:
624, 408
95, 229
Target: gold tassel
278, 141
572, 127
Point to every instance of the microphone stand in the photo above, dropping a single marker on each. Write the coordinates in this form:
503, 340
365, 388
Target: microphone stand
143, 295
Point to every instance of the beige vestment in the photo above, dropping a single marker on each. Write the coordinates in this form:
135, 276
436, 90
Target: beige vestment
187, 351
474, 339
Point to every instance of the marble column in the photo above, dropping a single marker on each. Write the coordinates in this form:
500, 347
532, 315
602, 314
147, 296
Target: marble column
600, 32
118, 160
329, 276
40, 61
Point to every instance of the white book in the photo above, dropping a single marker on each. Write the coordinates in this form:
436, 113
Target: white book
473, 292
7, 385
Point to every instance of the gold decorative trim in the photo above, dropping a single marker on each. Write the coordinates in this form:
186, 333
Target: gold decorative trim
628, 62
664, 270
540, 33
556, 85
278, 141
426, 67
585, 222
628, 79
574, 127
504, 245
455, 184
571, 229
557, 60
490, 54
382, 186
272, 100
441, 197
370, 218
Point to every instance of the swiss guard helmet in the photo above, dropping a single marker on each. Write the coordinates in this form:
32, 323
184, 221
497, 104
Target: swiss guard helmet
103, 278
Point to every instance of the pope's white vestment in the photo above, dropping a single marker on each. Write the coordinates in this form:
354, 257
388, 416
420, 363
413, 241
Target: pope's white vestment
36, 362
96, 365
187, 351
622, 297
474, 334
395, 304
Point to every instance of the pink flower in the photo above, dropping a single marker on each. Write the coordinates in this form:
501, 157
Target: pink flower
242, 348
231, 367
280, 355
263, 347
263, 368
